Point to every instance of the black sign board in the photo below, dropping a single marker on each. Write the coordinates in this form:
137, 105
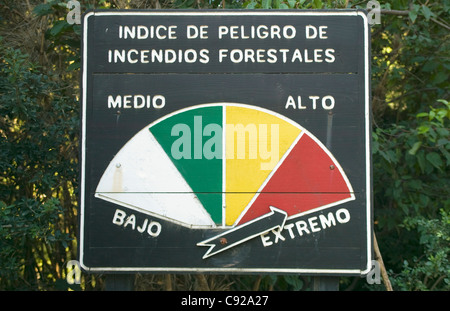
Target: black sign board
226, 141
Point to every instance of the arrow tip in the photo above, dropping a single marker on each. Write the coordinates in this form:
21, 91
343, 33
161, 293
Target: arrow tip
277, 210
275, 215
279, 213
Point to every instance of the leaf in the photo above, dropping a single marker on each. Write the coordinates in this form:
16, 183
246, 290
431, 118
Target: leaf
447, 155
421, 160
435, 159
266, 4
426, 12
443, 101
440, 77
318, 4
422, 115
415, 184
388, 155
443, 132
251, 5
424, 199
43, 9
73, 66
294, 281
423, 129
58, 27
292, 3
412, 15
415, 147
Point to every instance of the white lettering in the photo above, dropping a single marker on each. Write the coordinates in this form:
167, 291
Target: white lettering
305, 227
289, 227
290, 102
131, 220
313, 224
119, 216
278, 235
168, 56
152, 228
312, 32
327, 222
343, 216
257, 32
329, 54
194, 32
302, 226
136, 101
74, 15
324, 102
194, 301
266, 239
314, 99
327, 102
273, 55
141, 32
142, 228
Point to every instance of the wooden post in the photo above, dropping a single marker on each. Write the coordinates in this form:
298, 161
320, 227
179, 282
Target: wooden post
379, 258
119, 282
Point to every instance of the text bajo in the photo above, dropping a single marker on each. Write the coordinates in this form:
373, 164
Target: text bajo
120, 218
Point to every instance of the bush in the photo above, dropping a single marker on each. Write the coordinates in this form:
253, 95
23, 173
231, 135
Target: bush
411, 183
431, 270
38, 148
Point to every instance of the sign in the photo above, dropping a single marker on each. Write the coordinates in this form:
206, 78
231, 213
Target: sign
226, 141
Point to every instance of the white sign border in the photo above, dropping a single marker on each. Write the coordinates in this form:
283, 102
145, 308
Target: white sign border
368, 138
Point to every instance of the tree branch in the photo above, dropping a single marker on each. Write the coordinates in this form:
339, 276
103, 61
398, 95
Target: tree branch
440, 24
384, 274
394, 12
406, 13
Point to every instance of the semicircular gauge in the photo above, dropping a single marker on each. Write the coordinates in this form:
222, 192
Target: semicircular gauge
223, 165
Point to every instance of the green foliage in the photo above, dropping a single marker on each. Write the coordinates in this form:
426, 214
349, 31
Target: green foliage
430, 271
63, 37
289, 4
411, 164
38, 137
410, 59
410, 74
414, 156
297, 4
23, 225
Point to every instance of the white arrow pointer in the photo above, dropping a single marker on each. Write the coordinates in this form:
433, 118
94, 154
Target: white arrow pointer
240, 234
